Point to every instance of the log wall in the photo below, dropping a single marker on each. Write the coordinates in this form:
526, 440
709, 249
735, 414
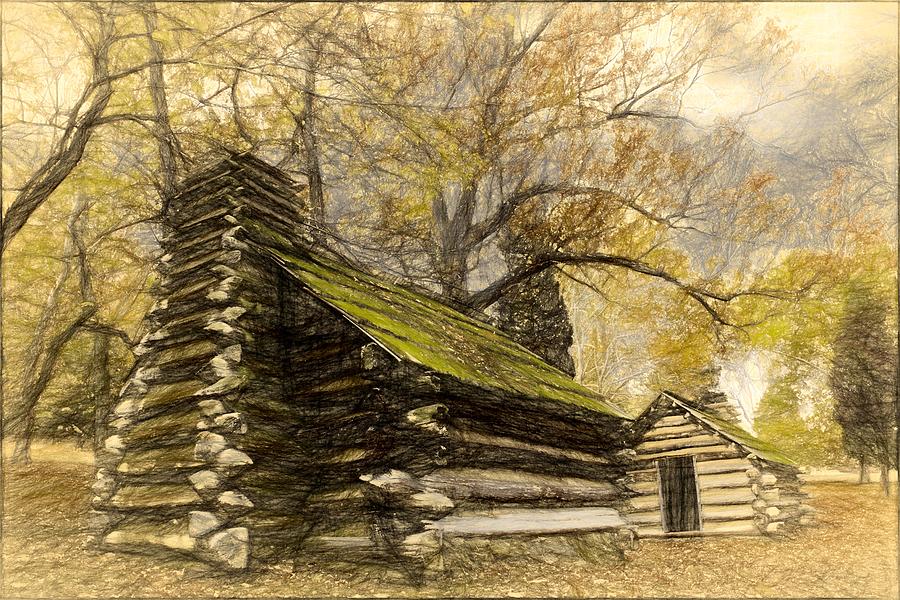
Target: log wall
739, 493
477, 474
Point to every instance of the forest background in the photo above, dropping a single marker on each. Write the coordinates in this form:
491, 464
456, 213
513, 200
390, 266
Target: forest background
685, 196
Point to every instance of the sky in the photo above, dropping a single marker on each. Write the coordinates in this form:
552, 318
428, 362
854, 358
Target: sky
829, 37
833, 34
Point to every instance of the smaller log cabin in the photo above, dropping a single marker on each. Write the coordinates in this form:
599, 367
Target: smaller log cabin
288, 404
698, 473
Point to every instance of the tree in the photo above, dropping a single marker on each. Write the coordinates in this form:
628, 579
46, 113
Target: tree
796, 414
863, 381
532, 113
38, 353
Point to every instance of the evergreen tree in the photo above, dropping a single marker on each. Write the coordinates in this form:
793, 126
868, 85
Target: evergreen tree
863, 381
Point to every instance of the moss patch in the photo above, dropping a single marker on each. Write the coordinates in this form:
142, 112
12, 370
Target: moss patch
422, 330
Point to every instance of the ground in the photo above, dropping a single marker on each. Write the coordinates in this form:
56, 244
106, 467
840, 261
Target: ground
851, 552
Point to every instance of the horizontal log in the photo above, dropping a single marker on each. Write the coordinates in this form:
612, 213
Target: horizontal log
207, 235
165, 459
737, 527
198, 189
188, 251
508, 485
255, 211
585, 431
726, 496
174, 427
645, 487
645, 517
478, 456
682, 442
193, 352
702, 467
726, 512
531, 522
719, 480
674, 431
206, 216
194, 319
341, 543
723, 480
200, 233
189, 290
152, 496
728, 465
178, 270
644, 502
273, 197
717, 451
157, 395
672, 420
170, 535
174, 276
506, 442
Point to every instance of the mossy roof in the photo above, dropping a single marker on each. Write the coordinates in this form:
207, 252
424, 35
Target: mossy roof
733, 432
416, 328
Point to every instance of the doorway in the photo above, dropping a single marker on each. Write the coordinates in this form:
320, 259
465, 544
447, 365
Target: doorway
678, 494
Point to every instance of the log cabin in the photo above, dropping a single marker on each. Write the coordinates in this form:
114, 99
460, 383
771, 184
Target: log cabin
289, 404
697, 473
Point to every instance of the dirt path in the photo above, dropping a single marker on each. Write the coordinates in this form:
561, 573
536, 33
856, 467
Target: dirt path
850, 553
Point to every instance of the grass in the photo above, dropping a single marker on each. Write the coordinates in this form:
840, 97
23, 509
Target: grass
851, 552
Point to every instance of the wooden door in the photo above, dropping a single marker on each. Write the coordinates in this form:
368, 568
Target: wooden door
678, 494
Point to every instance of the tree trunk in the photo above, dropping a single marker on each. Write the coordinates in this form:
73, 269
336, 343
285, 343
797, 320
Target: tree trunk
454, 275
309, 135
453, 232
33, 389
885, 479
863, 471
51, 306
98, 374
162, 129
